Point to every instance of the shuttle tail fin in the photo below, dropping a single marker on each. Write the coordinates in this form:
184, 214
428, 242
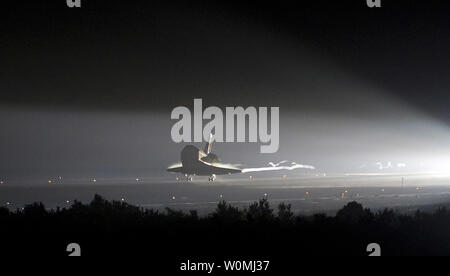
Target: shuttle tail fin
208, 145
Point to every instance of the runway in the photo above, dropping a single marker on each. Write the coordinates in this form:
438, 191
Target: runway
306, 193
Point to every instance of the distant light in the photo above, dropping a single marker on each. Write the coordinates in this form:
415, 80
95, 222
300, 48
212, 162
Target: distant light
346, 191
284, 176
265, 194
382, 190
177, 178
137, 179
94, 180
307, 193
49, 181
251, 177
317, 175
7, 203
417, 188
342, 195
1, 182
173, 198
67, 201
122, 199
220, 196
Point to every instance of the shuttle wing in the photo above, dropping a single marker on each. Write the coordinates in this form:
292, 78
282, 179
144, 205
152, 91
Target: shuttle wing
176, 168
203, 168
218, 168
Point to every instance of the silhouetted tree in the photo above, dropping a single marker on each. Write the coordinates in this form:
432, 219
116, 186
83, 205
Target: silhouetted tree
352, 212
227, 213
35, 210
284, 212
175, 213
387, 217
193, 214
99, 202
260, 211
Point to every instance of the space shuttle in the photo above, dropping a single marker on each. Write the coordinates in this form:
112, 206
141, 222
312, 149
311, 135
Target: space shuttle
201, 162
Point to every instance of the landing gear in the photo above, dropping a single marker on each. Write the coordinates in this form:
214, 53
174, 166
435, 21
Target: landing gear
212, 177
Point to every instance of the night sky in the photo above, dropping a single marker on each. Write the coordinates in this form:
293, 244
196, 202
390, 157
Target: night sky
89, 91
